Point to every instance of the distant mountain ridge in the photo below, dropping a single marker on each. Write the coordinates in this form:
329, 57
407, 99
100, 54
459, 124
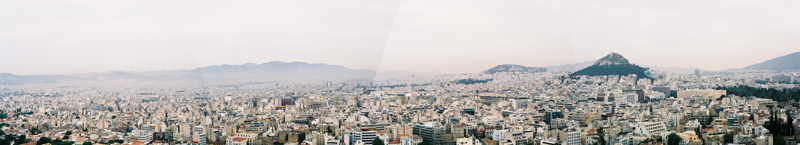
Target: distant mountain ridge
514, 68
265, 72
612, 64
786, 62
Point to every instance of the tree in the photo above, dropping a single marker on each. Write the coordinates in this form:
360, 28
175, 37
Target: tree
673, 139
87, 143
778, 140
35, 130
424, 143
21, 140
789, 119
377, 141
3, 115
63, 143
601, 136
43, 140
65, 137
728, 138
116, 140
68, 133
114, 117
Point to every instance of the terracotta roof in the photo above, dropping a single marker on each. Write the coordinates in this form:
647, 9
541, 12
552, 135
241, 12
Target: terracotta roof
137, 142
238, 139
487, 140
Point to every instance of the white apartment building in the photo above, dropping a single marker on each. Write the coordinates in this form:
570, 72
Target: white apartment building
649, 128
236, 141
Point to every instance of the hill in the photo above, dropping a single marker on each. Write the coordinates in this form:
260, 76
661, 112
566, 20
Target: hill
514, 68
612, 64
786, 62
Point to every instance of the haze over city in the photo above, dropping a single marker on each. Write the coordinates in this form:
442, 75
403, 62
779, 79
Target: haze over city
42, 38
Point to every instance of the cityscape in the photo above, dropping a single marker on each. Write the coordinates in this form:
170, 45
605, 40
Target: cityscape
573, 72
504, 105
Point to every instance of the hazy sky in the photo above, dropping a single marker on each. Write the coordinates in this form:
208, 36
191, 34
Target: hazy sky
66, 37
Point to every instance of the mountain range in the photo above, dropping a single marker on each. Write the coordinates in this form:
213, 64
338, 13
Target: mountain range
786, 62
265, 72
301, 71
514, 68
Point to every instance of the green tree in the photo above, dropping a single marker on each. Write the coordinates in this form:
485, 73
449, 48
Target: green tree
673, 139
43, 140
424, 142
3, 115
21, 140
35, 130
601, 136
65, 137
87, 143
117, 141
377, 141
68, 133
778, 140
63, 143
114, 117
728, 138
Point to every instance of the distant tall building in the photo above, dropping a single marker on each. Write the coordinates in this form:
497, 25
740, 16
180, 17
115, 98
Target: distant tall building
639, 95
695, 92
430, 131
663, 89
550, 115
287, 101
697, 72
781, 79
630, 97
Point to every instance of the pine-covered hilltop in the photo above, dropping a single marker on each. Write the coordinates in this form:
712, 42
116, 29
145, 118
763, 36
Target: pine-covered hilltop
612, 64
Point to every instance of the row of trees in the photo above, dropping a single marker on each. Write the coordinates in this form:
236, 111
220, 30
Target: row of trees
12, 138
771, 93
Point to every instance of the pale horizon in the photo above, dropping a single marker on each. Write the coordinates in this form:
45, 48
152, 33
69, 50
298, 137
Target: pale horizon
62, 38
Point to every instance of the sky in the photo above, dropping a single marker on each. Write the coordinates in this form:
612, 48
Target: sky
83, 36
